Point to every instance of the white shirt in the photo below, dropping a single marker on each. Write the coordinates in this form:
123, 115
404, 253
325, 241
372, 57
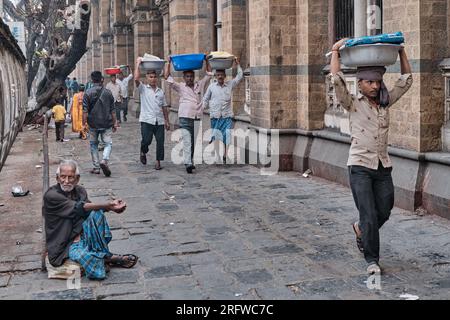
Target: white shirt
219, 97
124, 85
115, 90
152, 102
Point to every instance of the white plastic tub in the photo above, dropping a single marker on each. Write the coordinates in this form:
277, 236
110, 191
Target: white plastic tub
379, 54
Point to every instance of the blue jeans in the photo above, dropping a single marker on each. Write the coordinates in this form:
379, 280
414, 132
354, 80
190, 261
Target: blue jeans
106, 136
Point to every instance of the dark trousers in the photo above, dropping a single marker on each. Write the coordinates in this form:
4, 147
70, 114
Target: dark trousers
125, 106
147, 132
59, 130
373, 192
118, 107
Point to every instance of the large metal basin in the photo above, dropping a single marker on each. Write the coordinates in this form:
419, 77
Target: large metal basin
379, 54
221, 64
147, 65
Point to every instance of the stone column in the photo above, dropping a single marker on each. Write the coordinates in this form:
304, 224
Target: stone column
203, 26
416, 120
107, 53
312, 43
360, 16
147, 29
273, 60
164, 10
121, 30
96, 40
182, 30
234, 37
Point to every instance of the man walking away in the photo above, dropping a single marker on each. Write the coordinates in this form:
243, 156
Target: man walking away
99, 113
369, 165
75, 86
123, 82
59, 113
154, 116
116, 91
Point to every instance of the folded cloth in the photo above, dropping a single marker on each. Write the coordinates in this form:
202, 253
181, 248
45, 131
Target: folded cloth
220, 55
395, 38
150, 57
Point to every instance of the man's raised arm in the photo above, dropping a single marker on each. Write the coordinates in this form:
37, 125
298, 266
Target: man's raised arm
405, 67
137, 74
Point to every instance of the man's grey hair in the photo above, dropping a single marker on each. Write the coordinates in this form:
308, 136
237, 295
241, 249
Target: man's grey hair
68, 163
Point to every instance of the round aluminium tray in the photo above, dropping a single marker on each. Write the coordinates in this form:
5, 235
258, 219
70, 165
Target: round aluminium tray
379, 54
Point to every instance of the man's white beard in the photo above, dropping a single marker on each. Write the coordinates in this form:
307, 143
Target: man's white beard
67, 188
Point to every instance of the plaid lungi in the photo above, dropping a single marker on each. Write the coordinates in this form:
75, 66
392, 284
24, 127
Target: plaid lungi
92, 249
221, 129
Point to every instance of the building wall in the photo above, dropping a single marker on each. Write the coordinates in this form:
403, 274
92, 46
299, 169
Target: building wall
283, 43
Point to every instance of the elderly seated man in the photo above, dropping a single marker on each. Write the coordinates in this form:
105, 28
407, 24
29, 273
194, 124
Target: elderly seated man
77, 229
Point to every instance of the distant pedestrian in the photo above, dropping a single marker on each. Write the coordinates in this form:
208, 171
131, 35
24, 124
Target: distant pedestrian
67, 84
100, 114
218, 98
75, 86
116, 91
369, 165
123, 82
190, 104
76, 112
154, 116
59, 114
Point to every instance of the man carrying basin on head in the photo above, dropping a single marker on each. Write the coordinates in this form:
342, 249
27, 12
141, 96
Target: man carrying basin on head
190, 93
154, 115
369, 164
218, 98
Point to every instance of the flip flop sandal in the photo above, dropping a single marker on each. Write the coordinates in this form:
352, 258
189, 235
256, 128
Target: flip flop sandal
359, 243
122, 261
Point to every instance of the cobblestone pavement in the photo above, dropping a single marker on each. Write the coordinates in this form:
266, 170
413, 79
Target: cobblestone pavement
226, 232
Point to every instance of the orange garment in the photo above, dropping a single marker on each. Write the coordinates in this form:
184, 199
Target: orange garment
77, 113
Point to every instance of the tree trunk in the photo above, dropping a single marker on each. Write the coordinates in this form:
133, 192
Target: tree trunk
63, 59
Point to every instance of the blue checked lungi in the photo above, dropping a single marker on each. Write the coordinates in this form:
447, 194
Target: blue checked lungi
92, 249
221, 129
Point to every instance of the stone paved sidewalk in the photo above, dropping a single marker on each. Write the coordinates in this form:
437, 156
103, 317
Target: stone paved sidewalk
226, 232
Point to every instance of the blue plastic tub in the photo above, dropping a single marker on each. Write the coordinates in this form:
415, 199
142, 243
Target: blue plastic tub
190, 61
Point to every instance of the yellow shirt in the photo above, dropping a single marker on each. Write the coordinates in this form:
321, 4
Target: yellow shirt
59, 112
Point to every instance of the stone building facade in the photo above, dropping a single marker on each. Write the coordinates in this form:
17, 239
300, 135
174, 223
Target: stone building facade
282, 46
13, 90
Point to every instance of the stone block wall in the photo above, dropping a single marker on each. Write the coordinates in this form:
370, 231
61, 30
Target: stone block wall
416, 120
273, 56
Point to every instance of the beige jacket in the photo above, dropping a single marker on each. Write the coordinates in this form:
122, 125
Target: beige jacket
369, 125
